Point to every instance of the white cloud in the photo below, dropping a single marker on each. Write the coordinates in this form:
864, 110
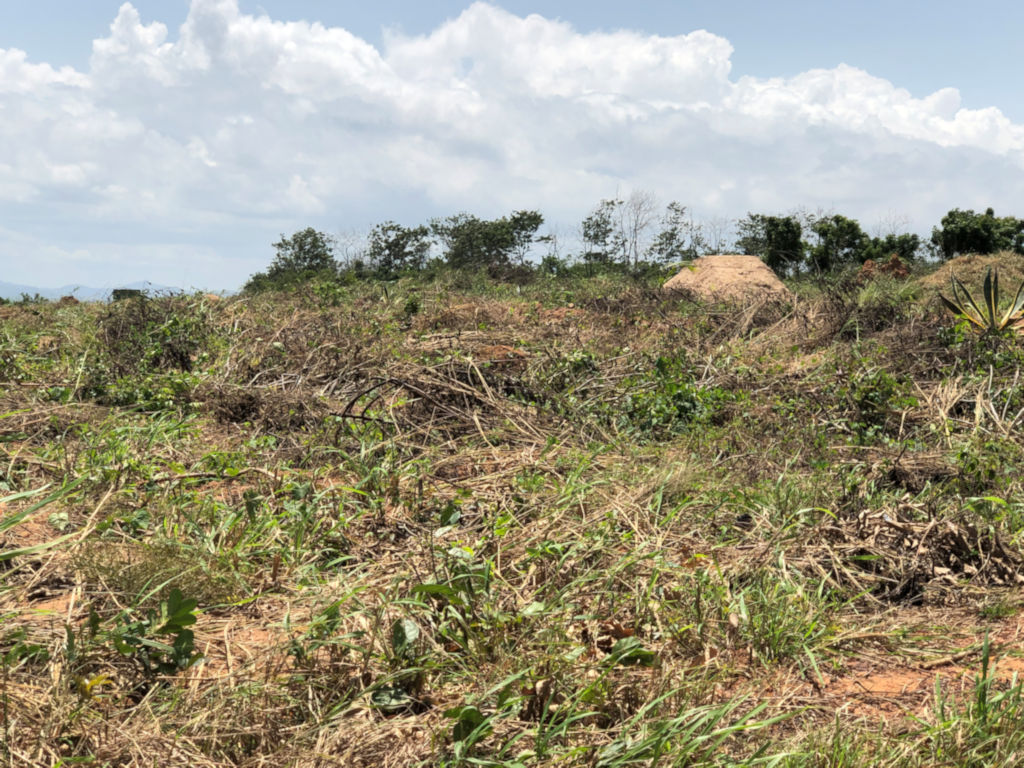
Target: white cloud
216, 138
18, 76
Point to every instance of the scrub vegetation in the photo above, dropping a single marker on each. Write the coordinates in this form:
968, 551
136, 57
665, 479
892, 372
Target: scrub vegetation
513, 518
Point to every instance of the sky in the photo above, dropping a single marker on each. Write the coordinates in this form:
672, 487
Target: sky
175, 141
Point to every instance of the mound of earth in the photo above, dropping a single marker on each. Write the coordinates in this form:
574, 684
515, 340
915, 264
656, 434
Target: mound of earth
871, 269
971, 268
729, 277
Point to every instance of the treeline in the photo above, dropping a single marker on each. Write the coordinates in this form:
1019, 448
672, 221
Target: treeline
623, 235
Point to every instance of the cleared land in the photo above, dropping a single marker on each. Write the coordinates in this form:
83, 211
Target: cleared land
572, 523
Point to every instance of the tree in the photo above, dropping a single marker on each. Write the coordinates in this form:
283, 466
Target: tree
468, 241
904, 246
841, 241
680, 238
716, 232
636, 216
969, 232
523, 226
776, 239
392, 248
306, 252
620, 230
472, 243
305, 255
602, 241
551, 262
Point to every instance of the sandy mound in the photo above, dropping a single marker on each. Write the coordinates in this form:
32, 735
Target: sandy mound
729, 277
971, 271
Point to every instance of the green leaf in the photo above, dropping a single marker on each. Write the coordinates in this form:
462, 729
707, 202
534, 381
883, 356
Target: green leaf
404, 634
12, 553
629, 650
156, 645
956, 309
534, 609
390, 698
12, 520
468, 722
990, 289
970, 307
450, 515
1015, 307
964, 306
183, 650
176, 613
121, 644
59, 520
439, 590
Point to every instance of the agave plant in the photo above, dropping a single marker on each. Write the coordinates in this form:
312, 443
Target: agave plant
984, 317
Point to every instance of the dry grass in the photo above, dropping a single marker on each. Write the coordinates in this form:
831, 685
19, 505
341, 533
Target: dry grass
971, 268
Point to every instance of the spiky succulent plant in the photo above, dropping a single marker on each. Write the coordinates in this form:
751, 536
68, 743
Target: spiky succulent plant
985, 317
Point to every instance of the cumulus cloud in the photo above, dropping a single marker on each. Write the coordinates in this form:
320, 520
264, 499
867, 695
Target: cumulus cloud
193, 150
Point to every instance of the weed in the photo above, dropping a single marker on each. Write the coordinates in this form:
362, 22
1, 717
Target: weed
691, 737
159, 641
134, 568
986, 463
986, 730
667, 400
998, 609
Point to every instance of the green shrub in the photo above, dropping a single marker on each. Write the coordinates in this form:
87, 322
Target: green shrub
667, 400
145, 335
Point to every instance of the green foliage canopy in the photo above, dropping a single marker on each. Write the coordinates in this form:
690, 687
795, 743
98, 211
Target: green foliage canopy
392, 248
472, 243
840, 242
905, 246
680, 239
305, 255
776, 239
969, 232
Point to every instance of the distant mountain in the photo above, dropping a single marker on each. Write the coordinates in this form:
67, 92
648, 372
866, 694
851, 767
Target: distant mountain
80, 292
14, 291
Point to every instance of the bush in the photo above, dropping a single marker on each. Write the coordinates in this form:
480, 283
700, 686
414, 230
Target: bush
147, 335
666, 400
145, 352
